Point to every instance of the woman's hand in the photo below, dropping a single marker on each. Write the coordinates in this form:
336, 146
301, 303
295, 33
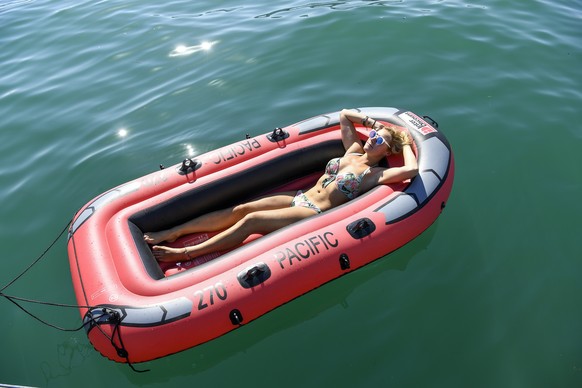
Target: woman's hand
354, 117
377, 126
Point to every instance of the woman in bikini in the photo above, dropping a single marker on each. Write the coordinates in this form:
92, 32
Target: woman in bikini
344, 178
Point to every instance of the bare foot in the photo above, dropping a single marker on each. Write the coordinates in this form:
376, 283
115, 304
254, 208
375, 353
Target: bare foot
169, 255
158, 237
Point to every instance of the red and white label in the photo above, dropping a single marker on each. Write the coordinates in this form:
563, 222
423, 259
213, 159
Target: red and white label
417, 123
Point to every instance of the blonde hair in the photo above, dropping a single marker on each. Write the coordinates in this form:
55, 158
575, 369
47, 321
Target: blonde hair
399, 138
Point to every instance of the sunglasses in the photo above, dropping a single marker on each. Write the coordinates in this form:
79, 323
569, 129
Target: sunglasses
379, 139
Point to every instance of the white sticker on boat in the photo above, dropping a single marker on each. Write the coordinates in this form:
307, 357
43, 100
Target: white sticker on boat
417, 123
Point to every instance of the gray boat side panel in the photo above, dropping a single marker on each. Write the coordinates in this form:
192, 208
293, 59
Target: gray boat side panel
155, 315
398, 208
329, 119
434, 156
158, 314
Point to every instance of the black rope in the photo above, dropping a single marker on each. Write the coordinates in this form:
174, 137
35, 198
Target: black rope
13, 300
121, 351
37, 260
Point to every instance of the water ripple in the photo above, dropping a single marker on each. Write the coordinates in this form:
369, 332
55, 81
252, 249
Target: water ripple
94, 93
9, 5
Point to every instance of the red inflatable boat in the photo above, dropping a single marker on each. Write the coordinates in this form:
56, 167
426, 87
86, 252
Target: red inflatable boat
135, 310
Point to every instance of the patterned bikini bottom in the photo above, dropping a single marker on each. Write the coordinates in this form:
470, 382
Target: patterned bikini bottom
302, 201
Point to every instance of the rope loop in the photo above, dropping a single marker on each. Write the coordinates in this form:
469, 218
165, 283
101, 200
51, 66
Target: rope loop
115, 316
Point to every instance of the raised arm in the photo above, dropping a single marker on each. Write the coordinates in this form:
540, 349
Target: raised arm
407, 171
350, 137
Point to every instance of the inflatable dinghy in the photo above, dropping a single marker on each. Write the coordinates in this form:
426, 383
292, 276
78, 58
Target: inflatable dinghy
135, 309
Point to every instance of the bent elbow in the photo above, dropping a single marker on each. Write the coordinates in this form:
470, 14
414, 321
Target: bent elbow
412, 172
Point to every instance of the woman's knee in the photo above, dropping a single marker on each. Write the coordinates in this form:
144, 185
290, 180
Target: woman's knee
243, 210
252, 218
248, 208
253, 222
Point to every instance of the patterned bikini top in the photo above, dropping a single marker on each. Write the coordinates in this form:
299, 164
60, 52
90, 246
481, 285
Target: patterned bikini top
347, 182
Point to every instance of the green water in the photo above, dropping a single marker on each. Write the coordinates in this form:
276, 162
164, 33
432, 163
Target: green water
489, 296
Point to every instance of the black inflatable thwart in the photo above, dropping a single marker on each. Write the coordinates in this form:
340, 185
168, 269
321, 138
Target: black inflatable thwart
431, 121
344, 261
361, 228
278, 135
254, 276
235, 317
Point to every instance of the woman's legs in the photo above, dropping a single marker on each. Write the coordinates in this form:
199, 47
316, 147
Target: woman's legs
220, 219
262, 222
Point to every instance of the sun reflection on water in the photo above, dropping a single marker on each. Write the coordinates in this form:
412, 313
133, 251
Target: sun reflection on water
182, 50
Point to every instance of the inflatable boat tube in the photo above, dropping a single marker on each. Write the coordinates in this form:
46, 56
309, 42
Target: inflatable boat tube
135, 310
